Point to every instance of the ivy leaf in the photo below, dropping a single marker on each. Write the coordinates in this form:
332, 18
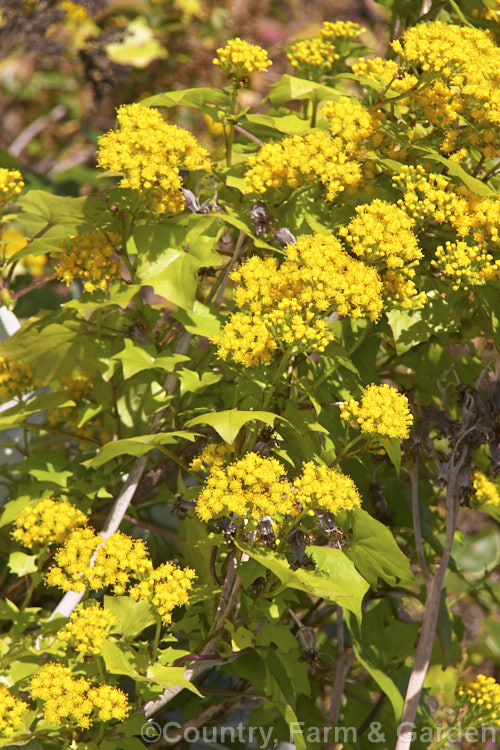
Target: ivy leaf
373, 549
291, 88
133, 617
229, 423
22, 564
136, 446
171, 677
335, 579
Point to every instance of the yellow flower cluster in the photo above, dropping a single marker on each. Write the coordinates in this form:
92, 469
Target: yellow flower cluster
351, 121
89, 256
382, 411
382, 234
67, 698
482, 698
213, 454
11, 184
384, 72
74, 11
323, 487
255, 486
11, 712
312, 58
485, 490
116, 559
78, 386
150, 153
287, 304
314, 53
166, 587
314, 158
340, 29
460, 66
16, 378
47, 522
252, 485
86, 560
239, 58
471, 258
88, 628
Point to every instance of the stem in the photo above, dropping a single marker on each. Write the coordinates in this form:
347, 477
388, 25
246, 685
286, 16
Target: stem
339, 677
34, 285
433, 598
156, 639
233, 109
416, 522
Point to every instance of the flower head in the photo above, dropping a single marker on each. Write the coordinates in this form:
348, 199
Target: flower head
47, 522
11, 712
150, 154
325, 488
90, 256
16, 378
88, 628
485, 491
239, 58
67, 698
166, 587
382, 411
11, 184
251, 486
87, 560
482, 699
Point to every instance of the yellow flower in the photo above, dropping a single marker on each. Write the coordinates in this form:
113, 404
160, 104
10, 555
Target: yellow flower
325, 488
110, 701
16, 378
251, 486
116, 560
150, 154
166, 587
11, 712
304, 160
89, 256
67, 698
74, 11
213, 454
88, 628
485, 490
313, 53
239, 58
382, 411
287, 304
47, 522
11, 184
382, 234
340, 29
64, 696
482, 700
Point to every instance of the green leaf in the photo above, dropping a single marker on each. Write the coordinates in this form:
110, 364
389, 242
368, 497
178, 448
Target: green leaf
191, 381
137, 357
229, 423
393, 450
289, 124
133, 617
171, 677
67, 342
475, 186
373, 549
205, 99
22, 564
136, 446
18, 414
412, 327
116, 658
169, 256
202, 320
370, 659
338, 580
292, 88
